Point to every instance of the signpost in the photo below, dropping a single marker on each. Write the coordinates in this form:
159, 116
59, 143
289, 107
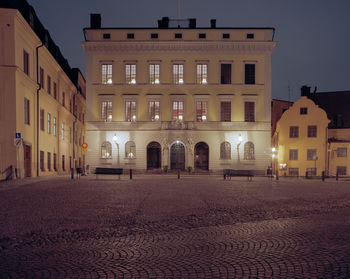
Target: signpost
18, 142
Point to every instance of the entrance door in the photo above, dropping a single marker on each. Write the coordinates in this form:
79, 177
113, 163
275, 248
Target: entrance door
27, 160
201, 156
153, 155
177, 156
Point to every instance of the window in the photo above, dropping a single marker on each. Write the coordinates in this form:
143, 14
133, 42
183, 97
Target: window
249, 151
62, 131
106, 35
178, 110
154, 110
106, 111
312, 131
226, 73
225, 150
311, 154
342, 152
201, 111
202, 35
178, 36
54, 126
26, 62
249, 74
49, 123
55, 90
63, 162
341, 170
225, 111
130, 73
293, 131
178, 73
249, 111
130, 35
48, 84
154, 36
41, 77
225, 35
202, 73
106, 73
42, 119
55, 162
130, 150
293, 154
250, 36
294, 171
154, 73
311, 171
130, 111
49, 161
63, 99
26, 111
106, 150
303, 110
42, 154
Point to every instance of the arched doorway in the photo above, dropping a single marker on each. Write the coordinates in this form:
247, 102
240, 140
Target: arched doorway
153, 155
177, 156
201, 156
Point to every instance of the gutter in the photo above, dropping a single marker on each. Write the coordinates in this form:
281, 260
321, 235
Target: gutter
37, 108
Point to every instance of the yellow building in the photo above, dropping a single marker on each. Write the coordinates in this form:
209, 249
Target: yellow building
301, 140
42, 100
178, 96
338, 146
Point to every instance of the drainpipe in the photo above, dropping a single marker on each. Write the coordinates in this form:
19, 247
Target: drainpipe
37, 108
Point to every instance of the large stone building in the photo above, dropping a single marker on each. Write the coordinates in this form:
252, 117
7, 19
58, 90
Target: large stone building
173, 97
42, 100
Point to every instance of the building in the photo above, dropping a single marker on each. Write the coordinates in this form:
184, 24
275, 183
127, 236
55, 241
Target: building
278, 107
301, 140
178, 95
42, 100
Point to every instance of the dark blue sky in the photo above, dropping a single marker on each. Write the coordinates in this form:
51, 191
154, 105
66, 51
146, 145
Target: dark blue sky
313, 36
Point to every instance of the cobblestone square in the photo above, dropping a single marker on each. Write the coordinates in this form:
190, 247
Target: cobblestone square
158, 226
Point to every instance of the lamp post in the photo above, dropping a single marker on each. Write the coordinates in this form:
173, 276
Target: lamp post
315, 158
115, 139
239, 143
274, 156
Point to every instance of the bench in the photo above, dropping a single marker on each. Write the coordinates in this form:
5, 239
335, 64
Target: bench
116, 171
230, 172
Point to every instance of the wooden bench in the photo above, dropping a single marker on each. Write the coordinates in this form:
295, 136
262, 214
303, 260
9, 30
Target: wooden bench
230, 172
116, 171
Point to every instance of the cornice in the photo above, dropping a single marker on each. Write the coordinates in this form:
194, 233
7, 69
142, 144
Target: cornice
221, 47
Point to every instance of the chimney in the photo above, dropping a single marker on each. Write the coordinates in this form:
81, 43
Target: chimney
305, 91
95, 21
163, 23
213, 23
192, 23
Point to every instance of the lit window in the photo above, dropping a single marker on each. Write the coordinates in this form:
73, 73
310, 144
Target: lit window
225, 150
130, 150
201, 111
130, 111
249, 111
130, 73
249, 151
178, 110
106, 111
178, 73
54, 126
154, 73
106, 73
154, 110
62, 131
202, 73
106, 150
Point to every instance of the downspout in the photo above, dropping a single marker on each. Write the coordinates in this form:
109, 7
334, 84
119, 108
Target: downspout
37, 108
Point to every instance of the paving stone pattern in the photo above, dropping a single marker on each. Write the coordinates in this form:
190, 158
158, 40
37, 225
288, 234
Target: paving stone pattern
162, 227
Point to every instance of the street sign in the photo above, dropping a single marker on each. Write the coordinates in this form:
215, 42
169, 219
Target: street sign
18, 142
18, 135
84, 145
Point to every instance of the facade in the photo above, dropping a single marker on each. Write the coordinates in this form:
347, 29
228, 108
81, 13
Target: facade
278, 107
338, 152
41, 98
176, 97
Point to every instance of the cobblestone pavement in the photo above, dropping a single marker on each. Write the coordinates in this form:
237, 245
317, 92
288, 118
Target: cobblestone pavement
162, 227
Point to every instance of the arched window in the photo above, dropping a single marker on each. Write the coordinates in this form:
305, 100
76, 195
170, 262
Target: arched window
130, 150
106, 150
225, 150
249, 151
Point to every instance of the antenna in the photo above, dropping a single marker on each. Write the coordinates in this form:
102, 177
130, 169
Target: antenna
178, 13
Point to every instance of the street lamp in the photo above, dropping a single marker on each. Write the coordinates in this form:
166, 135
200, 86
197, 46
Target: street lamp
115, 139
274, 156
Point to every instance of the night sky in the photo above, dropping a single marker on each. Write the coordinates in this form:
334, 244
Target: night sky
313, 36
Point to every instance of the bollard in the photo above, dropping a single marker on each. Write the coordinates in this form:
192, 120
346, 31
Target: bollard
337, 176
178, 174
72, 173
277, 175
130, 174
323, 176
306, 174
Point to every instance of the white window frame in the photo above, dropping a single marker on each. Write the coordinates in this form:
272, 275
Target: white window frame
126, 99
177, 76
201, 74
152, 74
178, 98
62, 131
48, 123
107, 73
130, 77
154, 98
106, 98
201, 98
54, 126
130, 155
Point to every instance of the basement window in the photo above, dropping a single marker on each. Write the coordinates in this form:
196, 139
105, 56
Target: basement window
106, 36
250, 36
130, 35
178, 35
